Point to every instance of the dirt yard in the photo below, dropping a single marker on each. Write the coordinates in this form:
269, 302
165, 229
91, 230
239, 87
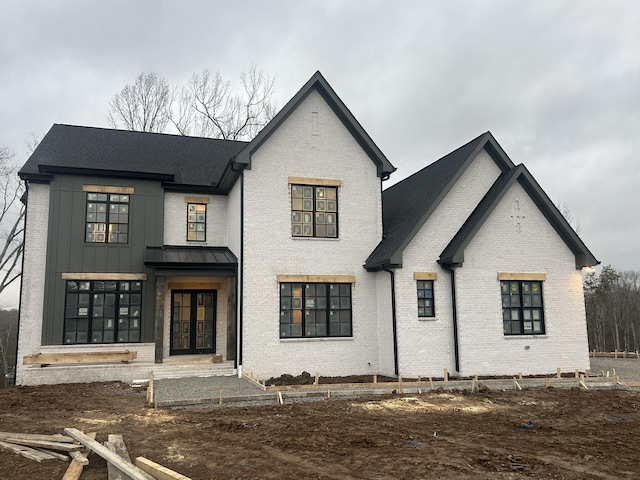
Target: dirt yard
552, 434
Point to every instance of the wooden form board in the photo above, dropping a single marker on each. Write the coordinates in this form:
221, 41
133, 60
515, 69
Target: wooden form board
80, 357
158, 471
128, 468
76, 466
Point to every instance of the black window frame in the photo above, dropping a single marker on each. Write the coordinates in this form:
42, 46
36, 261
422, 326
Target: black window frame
425, 295
522, 307
196, 222
99, 224
324, 310
318, 209
101, 311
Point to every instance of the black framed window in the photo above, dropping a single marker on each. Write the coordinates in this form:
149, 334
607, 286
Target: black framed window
107, 219
314, 211
196, 222
522, 308
102, 311
315, 310
426, 307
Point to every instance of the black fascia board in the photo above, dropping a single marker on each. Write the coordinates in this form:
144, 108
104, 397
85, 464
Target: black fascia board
189, 188
36, 177
318, 82
95, 172
230, 175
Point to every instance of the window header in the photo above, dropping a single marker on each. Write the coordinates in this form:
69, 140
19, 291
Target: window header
425, 276
107, 189
317, 278
539, 277
327, 182
196, 200
104, 276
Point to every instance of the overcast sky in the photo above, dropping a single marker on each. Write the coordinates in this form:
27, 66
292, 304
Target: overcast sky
556, 82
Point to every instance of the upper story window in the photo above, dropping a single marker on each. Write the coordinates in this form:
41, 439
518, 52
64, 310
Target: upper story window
107, 219
522, 310
425, 282
196, 222
314, 211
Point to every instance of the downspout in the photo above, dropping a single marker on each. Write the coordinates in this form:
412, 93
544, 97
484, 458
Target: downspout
240, 273
456, 350
394, 320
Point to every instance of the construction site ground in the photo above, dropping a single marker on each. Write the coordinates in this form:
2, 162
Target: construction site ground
561, 432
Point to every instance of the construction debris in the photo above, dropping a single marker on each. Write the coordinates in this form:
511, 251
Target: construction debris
78, 445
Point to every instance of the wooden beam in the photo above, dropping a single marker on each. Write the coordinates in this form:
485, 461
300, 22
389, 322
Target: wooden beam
128, 468
63, 447
32, 436
76, 466
27, 452
522, 276
425, 276
116, 445
158, 471
317, 278
57, 455
326, 182
80, 357
103, 276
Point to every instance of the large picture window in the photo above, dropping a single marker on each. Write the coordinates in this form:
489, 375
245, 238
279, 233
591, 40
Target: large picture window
315, 310
107, 219
314, 211
105, 311
522, 309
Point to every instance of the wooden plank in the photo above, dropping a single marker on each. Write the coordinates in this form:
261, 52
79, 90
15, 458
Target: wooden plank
33, 436
84, 357
425, 276
27, 452
317, 278
63, 447
128, 468
79, 457
522, 276
327, 182
57, 455
103, 276
160, 472
116, 445
75, 467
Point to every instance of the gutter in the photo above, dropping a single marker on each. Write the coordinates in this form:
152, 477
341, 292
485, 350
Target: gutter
456, 348
394, 320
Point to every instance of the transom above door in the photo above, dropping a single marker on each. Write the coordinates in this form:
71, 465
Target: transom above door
193, 321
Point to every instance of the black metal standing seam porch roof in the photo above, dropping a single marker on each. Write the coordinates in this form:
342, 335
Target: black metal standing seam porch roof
187, 257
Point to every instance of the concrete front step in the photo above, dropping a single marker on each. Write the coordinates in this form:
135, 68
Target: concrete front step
192, 369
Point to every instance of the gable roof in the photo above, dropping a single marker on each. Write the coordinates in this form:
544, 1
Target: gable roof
409, 203
318, 83
453, 254
175, 159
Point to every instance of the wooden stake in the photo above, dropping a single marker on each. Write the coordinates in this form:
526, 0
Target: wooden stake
317, 380
328, 393
474, 384
221, 401
134, 472
150, 390
559, 373
375, 379
577, 374
520, 375
546, 382
399, 384
280, 399
431, 383
446, 375
516, 385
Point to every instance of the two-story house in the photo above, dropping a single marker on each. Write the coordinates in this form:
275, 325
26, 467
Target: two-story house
284, 254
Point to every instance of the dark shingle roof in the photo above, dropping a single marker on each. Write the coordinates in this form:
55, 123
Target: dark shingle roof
176, 159
408, 204
453, 254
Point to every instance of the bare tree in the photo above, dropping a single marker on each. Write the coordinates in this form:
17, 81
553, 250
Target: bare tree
12, 212
568, 216
207, 106
143, 105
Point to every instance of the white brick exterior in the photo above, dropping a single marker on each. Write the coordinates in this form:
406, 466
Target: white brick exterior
269, 250
517, 238
425, 345
33, 276
175, 220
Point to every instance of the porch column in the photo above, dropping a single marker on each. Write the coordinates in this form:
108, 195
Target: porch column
159, 340
231, 318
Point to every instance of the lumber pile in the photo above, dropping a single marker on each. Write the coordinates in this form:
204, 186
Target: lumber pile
75, 446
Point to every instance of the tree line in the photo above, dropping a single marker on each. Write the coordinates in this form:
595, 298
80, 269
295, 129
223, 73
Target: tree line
612, 302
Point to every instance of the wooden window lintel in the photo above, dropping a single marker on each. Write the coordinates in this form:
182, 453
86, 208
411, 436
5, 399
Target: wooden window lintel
539, 277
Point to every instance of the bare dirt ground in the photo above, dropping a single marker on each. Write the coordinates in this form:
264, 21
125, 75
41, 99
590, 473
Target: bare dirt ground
543, 434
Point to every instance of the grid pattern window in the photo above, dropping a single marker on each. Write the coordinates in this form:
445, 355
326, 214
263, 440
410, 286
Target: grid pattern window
426, 307
196, 222
314, 211
107, 218
315, 310
105, 311
522, 310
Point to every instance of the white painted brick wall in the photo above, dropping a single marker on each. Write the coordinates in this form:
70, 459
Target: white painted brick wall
532, 247
33, 275
270, 250
175, 220
425, 346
